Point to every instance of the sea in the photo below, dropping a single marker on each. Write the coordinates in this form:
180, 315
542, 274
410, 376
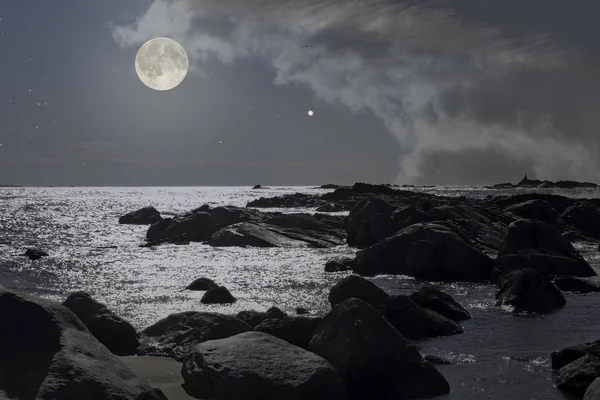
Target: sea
499, 356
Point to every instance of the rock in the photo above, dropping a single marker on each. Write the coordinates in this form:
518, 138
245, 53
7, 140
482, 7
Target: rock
415, 322
152, 394
197, 227
585, 217
47, 353
577, 376
143, 216
560, 358
426, 251
118, 335
302, 311
339, 265
257, 187
437, 360
579, 285
296, 200
202, 284
535, 209
156, 231
332, 207
559, 203
546, 264
530, 234
35, 254
354, 286
593, 391
254, 318
528, 290
434, 299
174, 335
295, 330
255, 365
358, 226
218, 295
373, 359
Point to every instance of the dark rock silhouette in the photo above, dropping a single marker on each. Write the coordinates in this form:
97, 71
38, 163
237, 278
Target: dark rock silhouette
577, 376
426, 251
254, 318
593, 391
579, 285
535, 209
143, 216
118, 335
528, 290
530, 234
218, 295
302, 311
536, 183
175, 335
295, 330
546, 264
415, 322
153, 394
257, 187
354, 286
339, 265
358, 223
373, 359
585, 217
255, 365
202, 284
434, 299
35, 254
47, 353
565, 356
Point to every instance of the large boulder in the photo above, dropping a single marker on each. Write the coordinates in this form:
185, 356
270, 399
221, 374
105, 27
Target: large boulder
528, 290
546, 264
254, 318
47, 353
358, 222
118, 335
373, 359
415, 322
427, 251
577, 376
585, 217
255, 365
295, 330
176, 334
579, 285
143, 216
357, 287
531, 234
202, 284
440, 302
218, 295
565, 356
535, 209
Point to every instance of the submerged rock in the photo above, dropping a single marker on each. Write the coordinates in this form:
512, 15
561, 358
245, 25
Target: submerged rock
47, 353
35, 254
118, 335
202, 284
440, 302
354, 286
426, 251
415, 322
339, 266
143, 216
218, 295
373, 359
295, 330
528, 290
256, 365
560, 358
176, 334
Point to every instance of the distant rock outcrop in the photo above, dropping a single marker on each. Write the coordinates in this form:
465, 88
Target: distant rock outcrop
536, 183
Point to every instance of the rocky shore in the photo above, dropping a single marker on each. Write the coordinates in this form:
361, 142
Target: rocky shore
363, 348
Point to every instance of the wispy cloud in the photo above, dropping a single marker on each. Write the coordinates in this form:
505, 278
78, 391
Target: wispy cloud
452, 80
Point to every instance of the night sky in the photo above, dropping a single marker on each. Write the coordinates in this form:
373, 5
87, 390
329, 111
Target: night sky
426, 92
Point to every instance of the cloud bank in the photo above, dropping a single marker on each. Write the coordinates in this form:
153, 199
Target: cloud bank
475, 92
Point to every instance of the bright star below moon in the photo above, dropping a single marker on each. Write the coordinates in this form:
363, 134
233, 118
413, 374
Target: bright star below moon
311, 113
161, 64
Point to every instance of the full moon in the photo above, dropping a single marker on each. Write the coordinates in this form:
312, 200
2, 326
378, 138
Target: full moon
161, 64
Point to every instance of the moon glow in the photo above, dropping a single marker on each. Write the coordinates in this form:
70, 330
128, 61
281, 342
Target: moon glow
161, 64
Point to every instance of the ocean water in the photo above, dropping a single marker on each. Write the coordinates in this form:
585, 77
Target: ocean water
499, 356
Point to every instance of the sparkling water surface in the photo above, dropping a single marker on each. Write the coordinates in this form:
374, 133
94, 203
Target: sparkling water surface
499, 356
